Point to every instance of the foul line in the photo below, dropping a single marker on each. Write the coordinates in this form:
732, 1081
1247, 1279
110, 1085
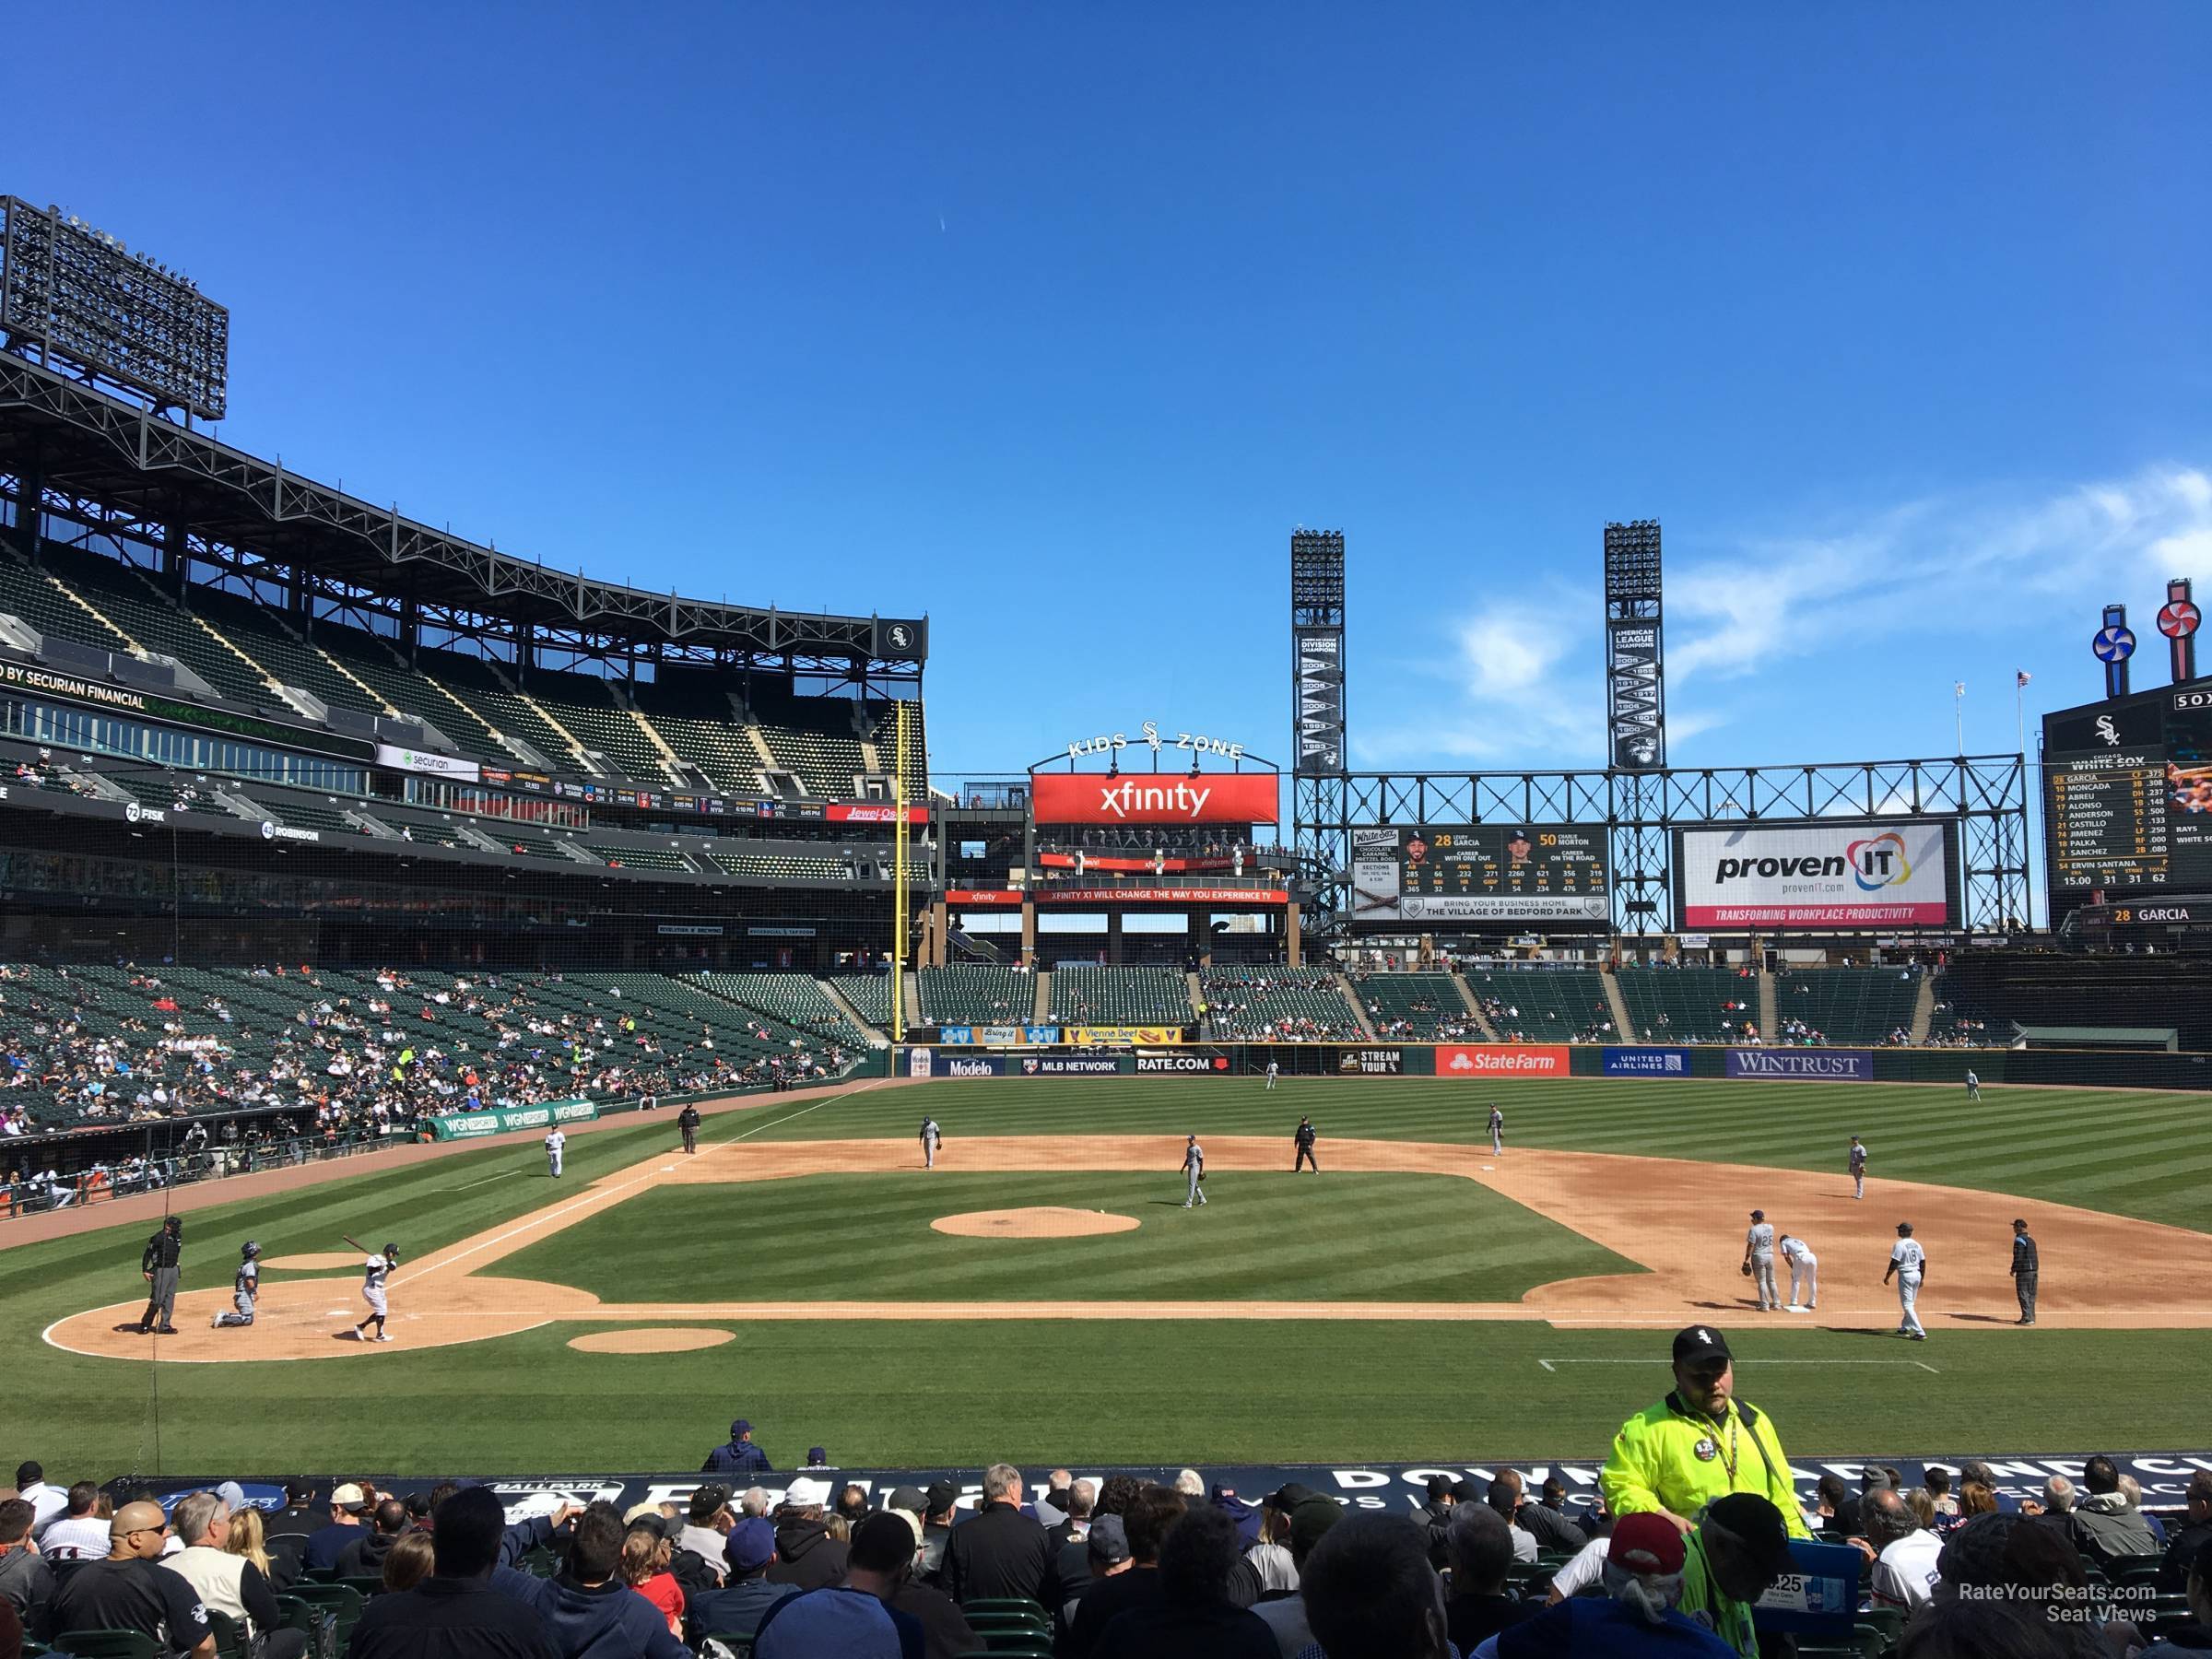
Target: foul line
606, 1196
1552, 1365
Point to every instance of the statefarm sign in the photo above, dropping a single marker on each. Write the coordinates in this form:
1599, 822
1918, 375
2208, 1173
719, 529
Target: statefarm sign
1502, 1059
1154, 798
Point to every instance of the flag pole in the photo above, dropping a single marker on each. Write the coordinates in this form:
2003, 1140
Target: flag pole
1959, 713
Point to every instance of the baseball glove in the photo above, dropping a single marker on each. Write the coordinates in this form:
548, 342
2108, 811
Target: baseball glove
1746, 1268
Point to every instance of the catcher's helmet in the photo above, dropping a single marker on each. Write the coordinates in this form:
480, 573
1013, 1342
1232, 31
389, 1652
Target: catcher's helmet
249, 1250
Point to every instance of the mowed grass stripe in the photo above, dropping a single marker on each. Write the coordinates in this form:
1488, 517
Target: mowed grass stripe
1349, 1237
2133, 1153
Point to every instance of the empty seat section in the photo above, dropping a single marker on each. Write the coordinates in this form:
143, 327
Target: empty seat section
127, 599
587, 708
1085, 993
792, 998
1690, 1005
788, 866
33, 596
813, 736
870, 994
1846, 1006
1286, 1004
476, 683
1545, 1004
641, 858
1424, 1005
975, 995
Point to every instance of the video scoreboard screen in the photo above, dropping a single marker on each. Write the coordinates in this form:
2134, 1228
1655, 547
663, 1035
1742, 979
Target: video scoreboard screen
1480, 873
2127, 794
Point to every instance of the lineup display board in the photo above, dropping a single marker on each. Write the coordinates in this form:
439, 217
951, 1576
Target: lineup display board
2127, 794
1480, 873
1817, 877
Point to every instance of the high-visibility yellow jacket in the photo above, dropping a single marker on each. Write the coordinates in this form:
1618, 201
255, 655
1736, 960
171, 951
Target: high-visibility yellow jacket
1669, 1457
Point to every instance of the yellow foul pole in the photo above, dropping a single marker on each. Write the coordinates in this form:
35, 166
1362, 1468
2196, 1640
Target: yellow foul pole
899, 918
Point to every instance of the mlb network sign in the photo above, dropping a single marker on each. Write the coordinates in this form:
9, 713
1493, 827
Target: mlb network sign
1813, 1065
1647, 1063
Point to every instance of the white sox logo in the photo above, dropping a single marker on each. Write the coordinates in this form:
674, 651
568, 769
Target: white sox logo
2107, 731
1706, 1450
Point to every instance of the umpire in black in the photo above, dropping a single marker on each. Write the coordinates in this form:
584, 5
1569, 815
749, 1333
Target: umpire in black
2026, 1265
160, 1264
688, 1121
1304, 1139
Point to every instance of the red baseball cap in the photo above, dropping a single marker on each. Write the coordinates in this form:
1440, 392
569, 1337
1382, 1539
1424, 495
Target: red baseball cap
1646, 1543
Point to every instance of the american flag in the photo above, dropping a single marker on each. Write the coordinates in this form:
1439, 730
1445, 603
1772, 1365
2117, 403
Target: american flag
2021, 679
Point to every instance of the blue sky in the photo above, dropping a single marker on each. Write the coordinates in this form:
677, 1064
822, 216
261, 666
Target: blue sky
1054, 321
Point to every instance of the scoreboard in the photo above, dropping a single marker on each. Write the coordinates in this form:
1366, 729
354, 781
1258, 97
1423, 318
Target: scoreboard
1480, 873
2127, 795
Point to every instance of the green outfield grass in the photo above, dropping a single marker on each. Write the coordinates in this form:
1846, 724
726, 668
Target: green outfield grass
1263, 1237
901, 1393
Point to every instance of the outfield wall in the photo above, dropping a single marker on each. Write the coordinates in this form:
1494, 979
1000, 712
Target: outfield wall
2164, 1476
1499, 1062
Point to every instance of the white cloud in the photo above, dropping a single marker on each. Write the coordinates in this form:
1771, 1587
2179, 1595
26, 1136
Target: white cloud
1527, 691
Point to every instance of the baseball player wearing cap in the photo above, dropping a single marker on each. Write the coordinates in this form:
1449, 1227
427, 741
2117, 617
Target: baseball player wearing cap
1699, 1443
1303, 1139
1805, 1274
931, 1136
378, 1268
1974, 1085
1910, 1262
1759, 1261
159, 1264
1497, 1133
1272, 1068
1193, 1166
2027, 1266
554, 1143
1858, 1168
245, 1285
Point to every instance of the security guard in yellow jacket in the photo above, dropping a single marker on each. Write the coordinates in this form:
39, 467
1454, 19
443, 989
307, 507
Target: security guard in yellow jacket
1699, 1443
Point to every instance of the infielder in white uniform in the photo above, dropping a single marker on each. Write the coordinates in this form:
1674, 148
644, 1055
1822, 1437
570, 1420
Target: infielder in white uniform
1805, 1274
1858, 1168
1909, 1262
930, 1137
1758, 1256
554, 1143
1271, 1073
1973, 1087
1497, 1133
1193, 1166
378, 1268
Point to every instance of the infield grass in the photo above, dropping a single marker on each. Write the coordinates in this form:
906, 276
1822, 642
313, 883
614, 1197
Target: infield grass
911, 1392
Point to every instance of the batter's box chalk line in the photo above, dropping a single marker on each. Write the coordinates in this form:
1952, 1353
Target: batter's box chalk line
1553, 1365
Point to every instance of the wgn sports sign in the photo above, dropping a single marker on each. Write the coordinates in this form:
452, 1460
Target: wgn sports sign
1857, 873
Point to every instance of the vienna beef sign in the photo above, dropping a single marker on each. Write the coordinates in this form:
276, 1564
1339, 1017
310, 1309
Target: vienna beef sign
1154, 798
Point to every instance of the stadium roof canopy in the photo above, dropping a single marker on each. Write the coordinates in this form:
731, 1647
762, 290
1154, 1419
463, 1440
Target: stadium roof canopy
83, 442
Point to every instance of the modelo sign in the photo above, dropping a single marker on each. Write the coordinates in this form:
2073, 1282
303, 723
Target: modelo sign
1154, 798
1813, 876
1811, 1066
1502, 1060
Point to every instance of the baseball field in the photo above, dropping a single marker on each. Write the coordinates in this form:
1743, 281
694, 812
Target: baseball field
1042, 1295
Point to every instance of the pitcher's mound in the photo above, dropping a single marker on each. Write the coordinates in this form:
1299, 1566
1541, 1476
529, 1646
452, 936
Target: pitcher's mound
1041, 1221
651, 1340
314, 1262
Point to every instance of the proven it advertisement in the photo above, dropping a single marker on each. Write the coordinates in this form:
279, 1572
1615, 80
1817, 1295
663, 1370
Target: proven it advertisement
1846, 874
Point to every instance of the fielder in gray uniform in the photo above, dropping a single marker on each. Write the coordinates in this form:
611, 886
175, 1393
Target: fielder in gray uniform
1758, 1256
930, 1137
1497, 1133
1193, 1166
244, 1288
1858, 1168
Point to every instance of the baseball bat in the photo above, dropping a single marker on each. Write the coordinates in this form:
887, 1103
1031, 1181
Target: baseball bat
355, 1242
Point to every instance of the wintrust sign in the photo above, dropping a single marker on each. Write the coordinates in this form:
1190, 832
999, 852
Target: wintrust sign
1807, 1065
1154, 798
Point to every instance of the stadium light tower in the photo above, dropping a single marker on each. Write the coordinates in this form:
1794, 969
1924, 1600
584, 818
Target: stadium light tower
1320, 828
1636, 720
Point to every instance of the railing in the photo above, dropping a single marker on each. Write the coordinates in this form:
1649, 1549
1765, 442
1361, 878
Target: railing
31, 1193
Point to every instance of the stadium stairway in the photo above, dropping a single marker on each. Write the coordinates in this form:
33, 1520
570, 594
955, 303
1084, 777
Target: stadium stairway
1621, 1022
1770, 1017
1041, 1006
1357, 1003
1466, 996
1923, 1009
1197, 996
844, 1005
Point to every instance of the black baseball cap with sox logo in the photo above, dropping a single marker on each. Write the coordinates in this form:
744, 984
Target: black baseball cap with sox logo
1700, 1342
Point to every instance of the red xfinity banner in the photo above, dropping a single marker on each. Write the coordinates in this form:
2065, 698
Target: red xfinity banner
1502, 1060
1227, 898
1154, 798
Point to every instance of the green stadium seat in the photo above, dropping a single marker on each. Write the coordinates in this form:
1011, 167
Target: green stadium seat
341, 1602
109, 1644
230, 1640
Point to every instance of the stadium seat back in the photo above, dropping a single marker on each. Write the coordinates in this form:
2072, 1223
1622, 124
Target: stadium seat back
229, 1640
108, 1644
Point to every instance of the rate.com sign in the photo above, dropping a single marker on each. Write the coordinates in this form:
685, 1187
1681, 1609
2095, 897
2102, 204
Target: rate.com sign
1153, 798
1847, 875
1502, 1060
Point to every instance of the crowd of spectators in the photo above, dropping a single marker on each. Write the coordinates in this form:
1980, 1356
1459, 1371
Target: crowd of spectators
1118, 1569
372, 1055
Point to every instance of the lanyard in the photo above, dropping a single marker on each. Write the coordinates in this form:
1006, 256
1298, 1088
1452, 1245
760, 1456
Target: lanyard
1732, 1455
